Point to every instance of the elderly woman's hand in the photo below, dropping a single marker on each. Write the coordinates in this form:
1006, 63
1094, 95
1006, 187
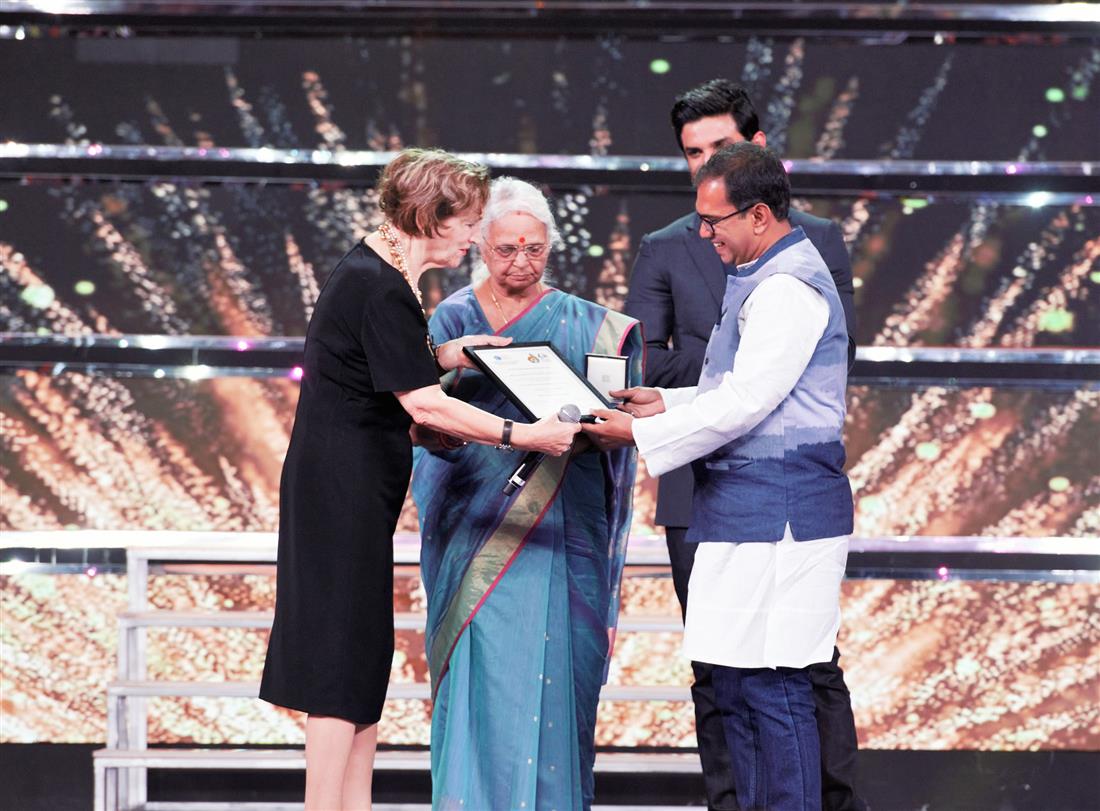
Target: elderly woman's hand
450, 355
549, 435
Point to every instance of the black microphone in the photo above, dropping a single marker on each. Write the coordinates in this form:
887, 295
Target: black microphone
532, 459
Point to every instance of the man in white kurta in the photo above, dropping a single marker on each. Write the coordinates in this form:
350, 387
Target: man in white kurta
772, 508
753, 604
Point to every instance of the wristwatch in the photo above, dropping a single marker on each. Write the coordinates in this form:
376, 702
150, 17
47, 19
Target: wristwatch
506, 436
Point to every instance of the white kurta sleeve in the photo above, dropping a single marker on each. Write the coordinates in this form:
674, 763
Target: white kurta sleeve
780, 324
678, 396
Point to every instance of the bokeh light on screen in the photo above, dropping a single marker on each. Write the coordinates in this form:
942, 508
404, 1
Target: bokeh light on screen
936, 664
940, 664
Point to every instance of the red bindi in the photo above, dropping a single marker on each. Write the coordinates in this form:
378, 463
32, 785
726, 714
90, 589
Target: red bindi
522, 240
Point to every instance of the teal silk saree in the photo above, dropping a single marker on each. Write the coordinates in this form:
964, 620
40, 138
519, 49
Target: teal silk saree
522, 590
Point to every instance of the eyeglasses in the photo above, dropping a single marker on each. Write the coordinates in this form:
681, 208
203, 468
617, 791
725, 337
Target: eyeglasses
710, 222
534, 251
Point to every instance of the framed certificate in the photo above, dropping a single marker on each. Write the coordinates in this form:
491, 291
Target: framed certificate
536, 378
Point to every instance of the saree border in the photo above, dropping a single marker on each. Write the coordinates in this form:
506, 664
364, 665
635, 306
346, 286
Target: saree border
493, 560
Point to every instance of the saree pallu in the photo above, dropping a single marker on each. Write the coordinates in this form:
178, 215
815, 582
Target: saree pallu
522, 590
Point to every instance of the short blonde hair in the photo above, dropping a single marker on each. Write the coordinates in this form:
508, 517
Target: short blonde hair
422, 187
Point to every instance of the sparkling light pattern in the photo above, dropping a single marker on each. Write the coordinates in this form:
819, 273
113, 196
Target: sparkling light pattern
229, 255
758, 64
251, 128
81, 453
778, 112
19, 277
1020, 280
931, 665
910, 134
983, 468
607, 86
831, 140
157, 302
332, 136
62, 112
303, 271
924, 301
90, 452
611, 287
571, 212
1072, 284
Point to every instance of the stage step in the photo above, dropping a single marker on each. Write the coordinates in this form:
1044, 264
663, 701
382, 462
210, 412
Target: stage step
111, 767
411, 691
214, 806
386, 760
402, 621
121, 769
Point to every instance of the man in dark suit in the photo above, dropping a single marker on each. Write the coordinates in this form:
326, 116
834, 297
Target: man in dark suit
676, 289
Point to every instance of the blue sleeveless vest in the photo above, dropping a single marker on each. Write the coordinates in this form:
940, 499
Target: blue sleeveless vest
790, 467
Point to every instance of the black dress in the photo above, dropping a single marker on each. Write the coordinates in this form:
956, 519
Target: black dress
344, 480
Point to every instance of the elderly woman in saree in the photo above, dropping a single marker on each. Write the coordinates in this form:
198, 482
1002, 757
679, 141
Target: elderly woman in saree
523, 590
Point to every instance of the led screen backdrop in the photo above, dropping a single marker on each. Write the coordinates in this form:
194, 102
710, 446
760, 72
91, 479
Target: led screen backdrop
243, 258
248, 260
1001, 665
825, 98
932, 665
105, 453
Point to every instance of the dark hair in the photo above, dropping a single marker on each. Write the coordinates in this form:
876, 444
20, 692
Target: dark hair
422, 187
716, 97
752, 174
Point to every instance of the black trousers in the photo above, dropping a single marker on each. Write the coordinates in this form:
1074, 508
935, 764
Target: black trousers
832, 704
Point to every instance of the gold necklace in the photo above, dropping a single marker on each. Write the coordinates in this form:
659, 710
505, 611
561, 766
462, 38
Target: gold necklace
500, 309
397, 253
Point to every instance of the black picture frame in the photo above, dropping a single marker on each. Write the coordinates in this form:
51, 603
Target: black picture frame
471, 353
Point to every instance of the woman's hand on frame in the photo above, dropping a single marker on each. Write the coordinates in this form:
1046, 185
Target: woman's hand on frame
450, 355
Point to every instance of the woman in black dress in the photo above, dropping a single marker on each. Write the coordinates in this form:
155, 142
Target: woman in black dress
369, 373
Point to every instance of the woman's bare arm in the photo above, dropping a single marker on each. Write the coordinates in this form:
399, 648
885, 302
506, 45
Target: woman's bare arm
430, 407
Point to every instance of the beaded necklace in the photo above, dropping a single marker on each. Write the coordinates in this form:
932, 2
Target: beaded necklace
401, 262
397, 253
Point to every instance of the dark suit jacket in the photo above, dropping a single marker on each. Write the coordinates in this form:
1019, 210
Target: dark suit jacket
676, 290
